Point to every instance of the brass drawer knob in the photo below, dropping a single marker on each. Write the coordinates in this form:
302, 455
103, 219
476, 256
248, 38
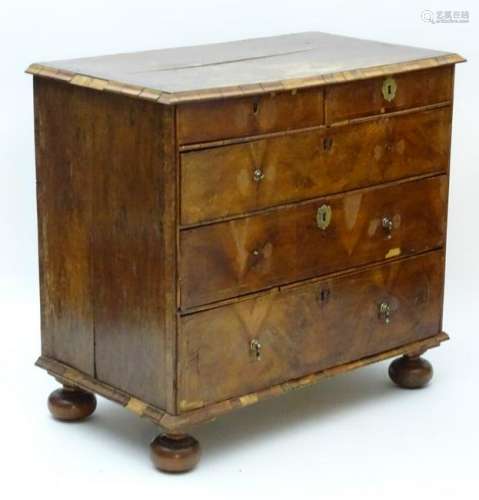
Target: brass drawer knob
387, 225
384, 312
255, 347
258, 174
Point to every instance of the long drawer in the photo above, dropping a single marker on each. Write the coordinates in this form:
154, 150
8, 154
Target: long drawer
227, 259
235, 179
304, 329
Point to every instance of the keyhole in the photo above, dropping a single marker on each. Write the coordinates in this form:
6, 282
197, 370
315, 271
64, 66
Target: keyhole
324, 295
327, 143
255, 107
323, 217
390, 90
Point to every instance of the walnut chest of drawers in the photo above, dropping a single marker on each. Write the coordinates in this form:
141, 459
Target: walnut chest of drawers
221, 224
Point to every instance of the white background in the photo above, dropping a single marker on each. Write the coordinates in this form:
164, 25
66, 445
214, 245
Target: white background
355, 436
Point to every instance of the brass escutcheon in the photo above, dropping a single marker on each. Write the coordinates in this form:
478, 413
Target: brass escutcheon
389, 88
323, 216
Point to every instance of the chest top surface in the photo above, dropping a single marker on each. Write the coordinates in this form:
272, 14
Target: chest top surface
242, 67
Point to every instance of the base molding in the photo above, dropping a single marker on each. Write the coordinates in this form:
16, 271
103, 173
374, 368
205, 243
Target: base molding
71, 376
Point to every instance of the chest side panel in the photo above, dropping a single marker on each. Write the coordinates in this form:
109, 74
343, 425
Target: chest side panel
135, 246
125, 148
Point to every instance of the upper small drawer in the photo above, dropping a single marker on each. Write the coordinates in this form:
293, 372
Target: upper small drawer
380, 95
245, 116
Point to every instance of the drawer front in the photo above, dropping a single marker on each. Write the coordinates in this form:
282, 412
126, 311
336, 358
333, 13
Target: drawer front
379, 95
245, 116
236, 179
306, 329
227, 259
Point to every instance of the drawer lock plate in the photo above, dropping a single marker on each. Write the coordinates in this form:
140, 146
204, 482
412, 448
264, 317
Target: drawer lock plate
389, 88
323, 216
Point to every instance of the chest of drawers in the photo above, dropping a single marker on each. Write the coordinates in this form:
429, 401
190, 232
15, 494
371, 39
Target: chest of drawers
222, 224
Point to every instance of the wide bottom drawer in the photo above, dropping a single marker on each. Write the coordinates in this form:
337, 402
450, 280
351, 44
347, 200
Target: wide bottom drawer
253, 344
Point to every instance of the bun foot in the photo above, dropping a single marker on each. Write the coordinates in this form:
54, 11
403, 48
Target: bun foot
71, 403
175, 452
410, 372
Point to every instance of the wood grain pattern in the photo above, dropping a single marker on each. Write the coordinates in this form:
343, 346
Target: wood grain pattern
219, 182
227, 259
306, 329
107, 181
417, 88
211, 120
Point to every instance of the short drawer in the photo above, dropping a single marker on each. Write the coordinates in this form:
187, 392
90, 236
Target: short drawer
230, 180
254, 344
226, 259
245, 116
379, 95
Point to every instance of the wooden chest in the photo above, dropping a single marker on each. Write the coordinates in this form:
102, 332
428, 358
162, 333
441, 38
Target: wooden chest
222, 224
